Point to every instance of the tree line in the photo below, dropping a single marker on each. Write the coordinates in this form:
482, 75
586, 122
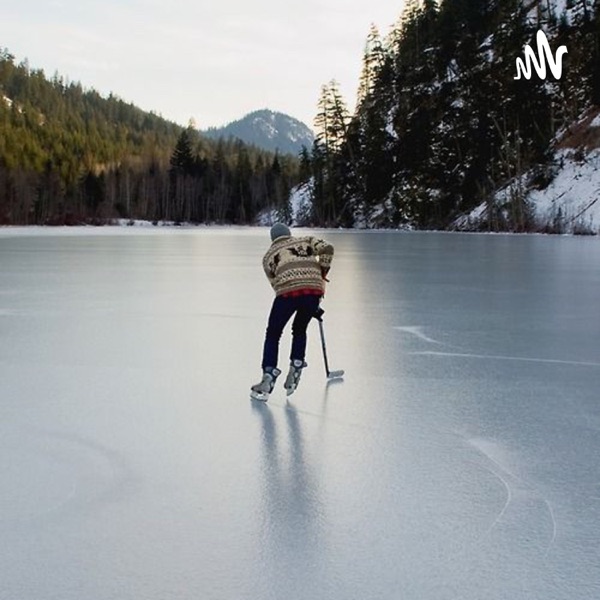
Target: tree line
441, 123
69, 155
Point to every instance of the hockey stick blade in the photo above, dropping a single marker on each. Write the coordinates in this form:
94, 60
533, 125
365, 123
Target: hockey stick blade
335, 374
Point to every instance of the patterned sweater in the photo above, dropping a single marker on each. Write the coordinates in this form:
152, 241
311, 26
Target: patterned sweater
297, 263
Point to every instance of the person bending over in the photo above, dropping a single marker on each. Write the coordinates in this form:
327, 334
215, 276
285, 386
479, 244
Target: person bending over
297, 269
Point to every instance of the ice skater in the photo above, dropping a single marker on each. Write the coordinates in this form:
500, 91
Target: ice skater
297, 269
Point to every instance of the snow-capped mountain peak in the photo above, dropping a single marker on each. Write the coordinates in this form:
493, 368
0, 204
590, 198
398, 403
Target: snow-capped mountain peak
267, 129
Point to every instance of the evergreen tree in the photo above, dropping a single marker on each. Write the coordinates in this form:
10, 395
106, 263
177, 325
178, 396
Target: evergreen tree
373, 60
594, 64
182, 159
331, 125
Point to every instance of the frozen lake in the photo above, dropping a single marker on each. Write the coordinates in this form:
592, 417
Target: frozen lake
458, 460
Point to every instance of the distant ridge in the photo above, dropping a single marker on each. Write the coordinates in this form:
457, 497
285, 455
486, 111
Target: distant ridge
267, 129
71, 156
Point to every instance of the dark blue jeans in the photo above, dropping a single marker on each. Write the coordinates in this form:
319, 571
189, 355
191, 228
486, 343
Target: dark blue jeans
282, 310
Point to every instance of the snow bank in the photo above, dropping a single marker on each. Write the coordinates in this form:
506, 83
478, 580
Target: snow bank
301, 204
572, 200
569, 204
297, 212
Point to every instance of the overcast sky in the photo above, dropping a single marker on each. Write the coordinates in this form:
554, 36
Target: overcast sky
211, 60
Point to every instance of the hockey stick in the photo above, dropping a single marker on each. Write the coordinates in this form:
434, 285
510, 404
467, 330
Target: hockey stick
330, 374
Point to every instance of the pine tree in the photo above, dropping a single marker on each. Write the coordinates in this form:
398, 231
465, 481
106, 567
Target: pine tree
331, 121
594, 65
373, 60
182, 159
331, 125
241, 186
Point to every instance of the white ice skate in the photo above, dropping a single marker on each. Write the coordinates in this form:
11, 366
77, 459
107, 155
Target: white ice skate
293, 376
260, 391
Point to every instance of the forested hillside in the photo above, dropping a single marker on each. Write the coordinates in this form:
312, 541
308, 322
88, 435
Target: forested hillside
441, 121
69, 155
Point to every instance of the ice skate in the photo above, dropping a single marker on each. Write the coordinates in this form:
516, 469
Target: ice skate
293, 376
260, 391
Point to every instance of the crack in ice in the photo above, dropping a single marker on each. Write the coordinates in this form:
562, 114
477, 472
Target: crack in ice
553, 361
479, 445
417, 332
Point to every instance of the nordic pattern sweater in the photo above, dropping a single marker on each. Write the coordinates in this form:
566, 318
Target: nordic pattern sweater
297, 263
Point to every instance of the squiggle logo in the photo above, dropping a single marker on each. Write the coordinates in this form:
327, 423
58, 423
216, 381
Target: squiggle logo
539, 62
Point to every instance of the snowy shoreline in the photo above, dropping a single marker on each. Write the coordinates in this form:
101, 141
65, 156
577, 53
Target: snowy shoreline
147, 226
7, 231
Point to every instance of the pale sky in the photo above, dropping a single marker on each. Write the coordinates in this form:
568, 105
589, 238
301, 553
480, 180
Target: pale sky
212, 60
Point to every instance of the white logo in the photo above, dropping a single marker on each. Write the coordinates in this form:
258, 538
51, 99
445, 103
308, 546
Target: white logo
539, 62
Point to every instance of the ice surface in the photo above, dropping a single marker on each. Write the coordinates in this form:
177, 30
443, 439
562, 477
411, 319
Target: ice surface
458, 459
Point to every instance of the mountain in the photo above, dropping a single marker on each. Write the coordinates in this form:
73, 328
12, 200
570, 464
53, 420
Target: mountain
445, 128
69, 155
267, 129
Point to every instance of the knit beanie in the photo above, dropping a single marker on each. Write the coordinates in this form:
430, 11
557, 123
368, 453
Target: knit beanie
279, 230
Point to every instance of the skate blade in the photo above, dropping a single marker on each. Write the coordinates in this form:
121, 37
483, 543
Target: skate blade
260, 396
